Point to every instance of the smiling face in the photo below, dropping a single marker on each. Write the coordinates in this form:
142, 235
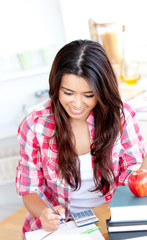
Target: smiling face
76, 97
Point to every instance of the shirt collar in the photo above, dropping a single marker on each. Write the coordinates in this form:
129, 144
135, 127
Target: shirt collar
90, 119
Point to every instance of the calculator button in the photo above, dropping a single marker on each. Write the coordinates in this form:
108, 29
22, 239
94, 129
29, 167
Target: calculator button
84, 218
90, 212
86, 213
83, 215
75, 215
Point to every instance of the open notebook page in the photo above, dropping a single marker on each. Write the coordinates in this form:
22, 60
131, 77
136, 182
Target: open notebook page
68, 230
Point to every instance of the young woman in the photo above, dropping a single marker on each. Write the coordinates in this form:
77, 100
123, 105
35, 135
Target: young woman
81, 144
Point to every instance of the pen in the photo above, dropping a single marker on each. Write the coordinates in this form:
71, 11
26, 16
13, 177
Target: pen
43, 197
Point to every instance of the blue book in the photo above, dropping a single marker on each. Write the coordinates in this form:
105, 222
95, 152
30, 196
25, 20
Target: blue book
126, 226
128, 235
125, 206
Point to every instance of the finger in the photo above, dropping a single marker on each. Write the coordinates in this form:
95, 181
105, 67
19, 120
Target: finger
52, 227
61, 211
49, 214
51, 224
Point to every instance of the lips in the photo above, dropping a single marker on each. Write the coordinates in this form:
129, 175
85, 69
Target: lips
76, 111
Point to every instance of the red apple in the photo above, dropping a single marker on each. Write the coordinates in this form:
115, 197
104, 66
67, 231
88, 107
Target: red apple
137, 182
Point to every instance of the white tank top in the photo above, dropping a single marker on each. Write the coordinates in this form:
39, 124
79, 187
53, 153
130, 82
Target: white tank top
82, 199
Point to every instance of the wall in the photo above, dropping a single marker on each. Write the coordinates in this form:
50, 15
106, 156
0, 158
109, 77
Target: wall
132, 14
29, 24
32, 25
26, 26
14, 94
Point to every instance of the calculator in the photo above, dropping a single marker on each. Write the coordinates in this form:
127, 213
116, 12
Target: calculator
84, 218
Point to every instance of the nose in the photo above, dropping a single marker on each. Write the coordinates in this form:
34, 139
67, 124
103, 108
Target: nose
78, 101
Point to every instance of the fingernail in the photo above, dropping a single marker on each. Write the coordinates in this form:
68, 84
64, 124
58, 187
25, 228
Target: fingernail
63, 216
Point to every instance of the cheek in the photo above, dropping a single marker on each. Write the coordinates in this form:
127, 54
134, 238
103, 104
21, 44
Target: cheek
63, 98
93, 103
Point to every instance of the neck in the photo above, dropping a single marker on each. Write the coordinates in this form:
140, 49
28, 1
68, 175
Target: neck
78, 122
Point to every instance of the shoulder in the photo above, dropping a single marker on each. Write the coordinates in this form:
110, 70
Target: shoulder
130, 124
131, 130
129, 112
39, 120
43, 111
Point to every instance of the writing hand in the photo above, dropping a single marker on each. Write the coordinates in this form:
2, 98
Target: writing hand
49, 220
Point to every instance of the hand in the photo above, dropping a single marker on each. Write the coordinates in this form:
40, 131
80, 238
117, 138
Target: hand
49, 220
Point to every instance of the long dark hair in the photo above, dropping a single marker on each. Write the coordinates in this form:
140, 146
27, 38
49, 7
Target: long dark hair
87, 59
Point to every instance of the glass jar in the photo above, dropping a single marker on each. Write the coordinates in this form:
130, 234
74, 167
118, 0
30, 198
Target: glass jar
108, 36
130, 72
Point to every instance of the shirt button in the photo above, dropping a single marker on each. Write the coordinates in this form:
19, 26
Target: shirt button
108, 197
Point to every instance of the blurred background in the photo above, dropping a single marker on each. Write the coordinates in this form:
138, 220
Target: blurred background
32, 31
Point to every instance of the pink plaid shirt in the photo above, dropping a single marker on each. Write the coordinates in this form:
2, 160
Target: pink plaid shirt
38, 164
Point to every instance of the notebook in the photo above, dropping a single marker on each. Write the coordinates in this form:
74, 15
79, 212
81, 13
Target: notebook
68, 229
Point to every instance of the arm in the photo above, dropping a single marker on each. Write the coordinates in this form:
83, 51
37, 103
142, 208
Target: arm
30, 175
144, 163
133, 148
36, 206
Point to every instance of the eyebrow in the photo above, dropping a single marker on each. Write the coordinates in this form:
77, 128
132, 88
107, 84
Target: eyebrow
73, 91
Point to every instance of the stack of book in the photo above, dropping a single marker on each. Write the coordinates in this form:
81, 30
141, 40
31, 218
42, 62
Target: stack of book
128, 215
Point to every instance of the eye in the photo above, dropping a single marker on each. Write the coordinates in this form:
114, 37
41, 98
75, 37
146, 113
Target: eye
89, 96
68, 93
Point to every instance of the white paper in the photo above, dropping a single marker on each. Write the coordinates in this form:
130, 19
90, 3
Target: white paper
70, 237
69, 229
139, 104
